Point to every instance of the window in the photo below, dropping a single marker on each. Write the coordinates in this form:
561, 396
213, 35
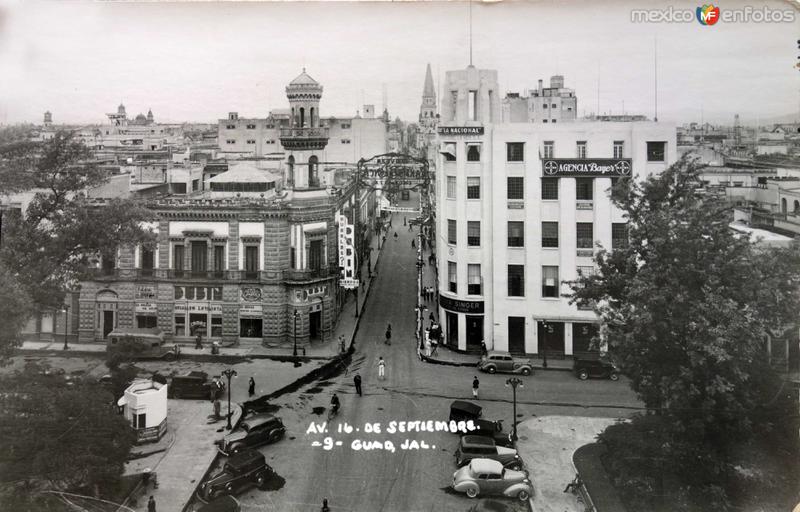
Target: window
473, 187
345, 141
227, 126
553, 105
452, 277
516, 280
251, 141
655, 151
139, 420
472, 105
219, 258
216, 326
473, 152
230, 141
552, 120
581, 149
619, 235
451, 232
251, 259
251, 127
449, 151
515, 151
270, 141
550, 188
473, 233
199, 256
473, 279
584, 189
548, 149
549, 281
451, 187
619, 145
453, 104
147, 261
177, 257
544, 120
180, 325
549, 234
516, 234
515, 187
269, 126
585, 271
345, 126
585, 235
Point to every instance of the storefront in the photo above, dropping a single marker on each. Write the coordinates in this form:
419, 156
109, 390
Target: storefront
462, 316
251, 324
196, 308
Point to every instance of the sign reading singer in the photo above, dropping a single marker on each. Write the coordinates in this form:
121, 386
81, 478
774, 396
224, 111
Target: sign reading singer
587, 167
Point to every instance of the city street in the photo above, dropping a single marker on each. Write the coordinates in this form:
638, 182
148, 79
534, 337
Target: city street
413, 479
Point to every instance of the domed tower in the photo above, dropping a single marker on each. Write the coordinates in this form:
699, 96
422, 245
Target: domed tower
48, 119
304, 137
150, 116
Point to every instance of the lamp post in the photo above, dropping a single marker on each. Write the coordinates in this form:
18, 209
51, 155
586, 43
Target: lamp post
229, 373
544, 343
66, 324
513, 382
296, 315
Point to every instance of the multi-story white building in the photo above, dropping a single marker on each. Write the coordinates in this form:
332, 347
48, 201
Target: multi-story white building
520, 209
554, 104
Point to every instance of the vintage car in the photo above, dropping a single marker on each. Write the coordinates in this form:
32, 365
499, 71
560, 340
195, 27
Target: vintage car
595, 366
223, 504
481, 447
497, 361
487, 477
461, 410
493, 430
194, 384
141, 344
240, 472
254, 431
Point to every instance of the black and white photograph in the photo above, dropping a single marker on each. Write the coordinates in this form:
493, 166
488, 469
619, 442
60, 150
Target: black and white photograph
414, 256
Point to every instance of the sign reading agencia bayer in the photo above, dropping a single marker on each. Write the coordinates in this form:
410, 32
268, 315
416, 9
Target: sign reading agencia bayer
612, 167
461, 130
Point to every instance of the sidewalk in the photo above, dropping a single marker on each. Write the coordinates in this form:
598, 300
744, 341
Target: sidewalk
346, 326
449, 357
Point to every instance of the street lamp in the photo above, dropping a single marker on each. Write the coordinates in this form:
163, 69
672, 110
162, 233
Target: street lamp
66, 324
513, 382
229, 373
296, 315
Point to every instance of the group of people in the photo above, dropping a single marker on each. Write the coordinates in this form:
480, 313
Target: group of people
428, 293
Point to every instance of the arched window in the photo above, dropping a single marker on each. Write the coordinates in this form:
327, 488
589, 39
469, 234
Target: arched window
293, 120
311, 121
290, 165
313, 180
302, 117
796, 206
783, 205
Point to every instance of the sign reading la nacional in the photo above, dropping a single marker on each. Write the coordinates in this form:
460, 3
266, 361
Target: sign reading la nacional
614, 167
460, 130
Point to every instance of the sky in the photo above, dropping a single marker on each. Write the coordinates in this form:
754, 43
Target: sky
198, 61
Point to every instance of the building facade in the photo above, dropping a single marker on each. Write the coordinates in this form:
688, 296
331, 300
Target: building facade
521, 209
554, 104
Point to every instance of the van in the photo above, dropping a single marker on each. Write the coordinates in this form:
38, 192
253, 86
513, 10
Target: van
141, 344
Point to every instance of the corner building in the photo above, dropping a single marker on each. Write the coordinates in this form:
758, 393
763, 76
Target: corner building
521, 208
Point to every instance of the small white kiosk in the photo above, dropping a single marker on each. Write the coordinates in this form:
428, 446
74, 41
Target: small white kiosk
145, 406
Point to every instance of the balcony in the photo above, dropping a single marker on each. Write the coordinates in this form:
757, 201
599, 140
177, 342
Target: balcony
304, 138
309, 274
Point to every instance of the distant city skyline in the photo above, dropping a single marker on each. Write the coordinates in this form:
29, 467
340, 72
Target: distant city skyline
196, 62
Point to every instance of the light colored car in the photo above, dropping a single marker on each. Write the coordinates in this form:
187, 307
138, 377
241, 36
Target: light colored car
498, 361
489, 477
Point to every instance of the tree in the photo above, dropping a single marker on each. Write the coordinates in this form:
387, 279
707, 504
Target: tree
686, 307
58, 434
15, 308
51, 246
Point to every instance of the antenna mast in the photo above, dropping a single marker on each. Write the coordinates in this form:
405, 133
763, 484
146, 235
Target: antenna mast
470, 32
655, 67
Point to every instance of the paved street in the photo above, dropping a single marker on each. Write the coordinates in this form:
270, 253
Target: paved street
405, 480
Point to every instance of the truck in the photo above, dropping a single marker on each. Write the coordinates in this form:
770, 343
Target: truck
141, 344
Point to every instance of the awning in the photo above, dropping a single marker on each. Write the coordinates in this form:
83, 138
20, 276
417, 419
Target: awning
122, 401
448, 148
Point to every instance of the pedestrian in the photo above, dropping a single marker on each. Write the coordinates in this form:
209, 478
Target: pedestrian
151, 504
325, 507
475, 384
432, 319
389, 336
342, 344
395, 236
357, 382
381, 368
413, 244
251, 388
384, 240
217, 407
404, 220
434, 346
198, 342
483, 347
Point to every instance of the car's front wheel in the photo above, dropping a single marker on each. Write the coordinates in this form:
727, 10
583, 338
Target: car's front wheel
472, 492
491, 369
526, 371
583, 374
523, 495
515, 467
614, 376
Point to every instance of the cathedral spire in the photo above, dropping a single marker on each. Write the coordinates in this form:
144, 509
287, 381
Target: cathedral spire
429, 91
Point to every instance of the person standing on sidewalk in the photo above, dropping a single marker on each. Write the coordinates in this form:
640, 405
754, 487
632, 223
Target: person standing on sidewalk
357, 382
381, 368
151, 504
198, 342
251, 388
475, 384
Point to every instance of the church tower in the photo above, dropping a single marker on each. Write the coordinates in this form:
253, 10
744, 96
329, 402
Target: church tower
304, 138
427, 111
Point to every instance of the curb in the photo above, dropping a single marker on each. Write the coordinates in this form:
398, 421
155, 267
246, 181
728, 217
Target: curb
207, 358
431, 360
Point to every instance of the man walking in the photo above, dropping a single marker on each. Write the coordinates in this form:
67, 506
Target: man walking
151, 504
251, 388
357, 382
475, 384
381, 368
198, 342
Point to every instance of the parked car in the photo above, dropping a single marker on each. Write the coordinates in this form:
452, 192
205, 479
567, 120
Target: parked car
485, 476
141, 344
253, 431
223, 504
481, 447
461, 410
194, 384
241, 471
498, 361
598, 367
493, 430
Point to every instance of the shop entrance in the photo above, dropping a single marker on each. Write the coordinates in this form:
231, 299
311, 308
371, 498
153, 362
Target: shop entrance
452, 329
146, 322
474, 332
516, 334
108, 323
551, 338
250, 328
315, 325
